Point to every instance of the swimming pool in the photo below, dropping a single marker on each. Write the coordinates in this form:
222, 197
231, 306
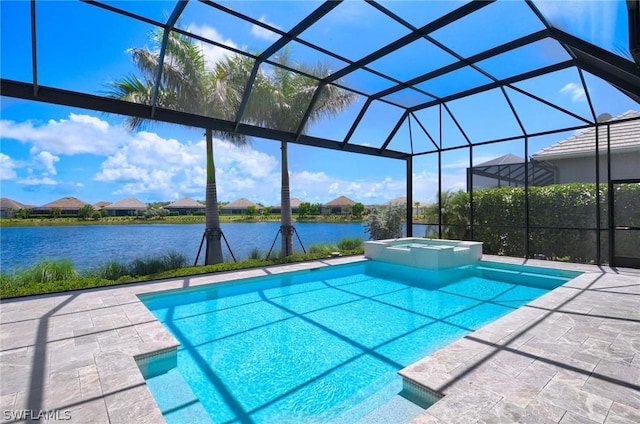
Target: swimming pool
315, 346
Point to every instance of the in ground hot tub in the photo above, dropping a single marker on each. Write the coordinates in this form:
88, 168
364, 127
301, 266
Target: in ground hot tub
424, 253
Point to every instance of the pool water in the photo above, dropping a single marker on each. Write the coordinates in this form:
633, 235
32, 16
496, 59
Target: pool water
309, 346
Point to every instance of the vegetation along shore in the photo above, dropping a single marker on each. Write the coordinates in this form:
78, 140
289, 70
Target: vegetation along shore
49, 276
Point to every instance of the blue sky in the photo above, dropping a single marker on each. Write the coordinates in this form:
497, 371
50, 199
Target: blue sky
49, 151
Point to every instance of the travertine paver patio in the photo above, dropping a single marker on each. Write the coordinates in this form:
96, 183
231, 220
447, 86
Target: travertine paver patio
571, 356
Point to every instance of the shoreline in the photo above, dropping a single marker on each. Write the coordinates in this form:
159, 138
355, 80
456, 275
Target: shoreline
189, 219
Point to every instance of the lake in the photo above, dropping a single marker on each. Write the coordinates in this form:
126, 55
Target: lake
89, 245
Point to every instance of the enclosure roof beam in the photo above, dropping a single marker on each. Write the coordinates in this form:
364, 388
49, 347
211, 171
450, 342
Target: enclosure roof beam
22, 90
487, 54
177, 11
496, 84
450, 17
618, 71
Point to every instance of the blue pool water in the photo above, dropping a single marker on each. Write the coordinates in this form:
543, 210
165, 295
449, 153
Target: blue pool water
308, 346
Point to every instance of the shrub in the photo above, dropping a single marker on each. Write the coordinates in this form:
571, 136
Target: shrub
255, 253
114, 270
385, 222
322, 249
47, 271
173, 260
111, 270
350, 243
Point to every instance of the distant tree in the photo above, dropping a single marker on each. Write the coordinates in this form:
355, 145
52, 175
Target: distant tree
24, 213
455, 208
266, 210
56, 212
96, 215
86, 211
252, 210
357, 210
304, 209
455, 215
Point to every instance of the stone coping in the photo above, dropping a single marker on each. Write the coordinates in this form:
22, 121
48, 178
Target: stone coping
570, 356
72, 355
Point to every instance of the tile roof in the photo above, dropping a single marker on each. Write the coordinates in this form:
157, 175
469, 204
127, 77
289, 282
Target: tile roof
185, 202
507, 159
126, 204
295, 203
624, 136
65, 203
101, 204
6, 203
239, 204
341, 201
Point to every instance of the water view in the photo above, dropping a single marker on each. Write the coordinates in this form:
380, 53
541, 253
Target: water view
89, 245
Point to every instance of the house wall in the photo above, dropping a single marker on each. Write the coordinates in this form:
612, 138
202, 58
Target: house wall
582, 169
123, 212
480, 182
186, 211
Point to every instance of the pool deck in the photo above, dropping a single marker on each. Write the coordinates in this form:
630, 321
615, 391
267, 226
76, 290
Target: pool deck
571, 356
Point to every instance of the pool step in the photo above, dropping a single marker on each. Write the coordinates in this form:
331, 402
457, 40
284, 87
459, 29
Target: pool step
397, 410
532, 279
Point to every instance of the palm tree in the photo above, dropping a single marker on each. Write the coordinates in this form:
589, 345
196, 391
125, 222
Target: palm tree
282, 104
187, 85
455, 214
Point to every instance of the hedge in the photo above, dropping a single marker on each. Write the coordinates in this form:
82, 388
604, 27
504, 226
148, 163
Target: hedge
499, 220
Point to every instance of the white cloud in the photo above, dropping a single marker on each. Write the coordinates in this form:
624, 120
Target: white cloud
248, 161
333, 188
33, 180
168, 169
576, 91
76, 135
47, 160
7, 168
213, 53
306, 177
150, 164
425, 184
264, 33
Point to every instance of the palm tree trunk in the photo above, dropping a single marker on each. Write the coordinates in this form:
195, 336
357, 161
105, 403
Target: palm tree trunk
212, 223
286, 226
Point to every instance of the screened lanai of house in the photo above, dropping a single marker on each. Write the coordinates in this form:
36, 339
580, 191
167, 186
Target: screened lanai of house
435, 82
